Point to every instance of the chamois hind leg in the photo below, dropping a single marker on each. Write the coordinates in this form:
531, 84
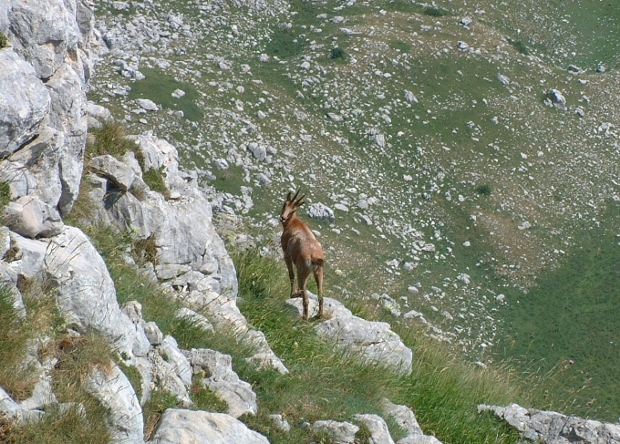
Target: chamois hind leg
291, 275
302, 277
318, 277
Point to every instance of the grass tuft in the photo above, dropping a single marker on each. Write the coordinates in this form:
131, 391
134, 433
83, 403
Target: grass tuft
4, 41
109, 139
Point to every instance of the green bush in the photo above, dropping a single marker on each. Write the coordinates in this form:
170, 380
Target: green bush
338, 53
484, 190
3, 40
520, 46
433, 11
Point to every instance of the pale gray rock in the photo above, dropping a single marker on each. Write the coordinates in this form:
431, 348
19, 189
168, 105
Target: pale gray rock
557, 99
179, 426
86, 295
112, 388
259, 151
221, 379
5, 241
321, 211
181, 229
280, 423
28, 256
153, 333
503, 79
379, 431
406, 420
45, 31
372, 341
341, 432
97, 115
403, 416
555, 428
165, 373
24, 103
170, 350
147, 104
410, 97
67, 115
31, 217
197, 319
119, 173
8, 406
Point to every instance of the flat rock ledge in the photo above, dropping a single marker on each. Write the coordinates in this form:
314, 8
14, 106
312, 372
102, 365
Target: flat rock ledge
555, 428
374, 341
178, 426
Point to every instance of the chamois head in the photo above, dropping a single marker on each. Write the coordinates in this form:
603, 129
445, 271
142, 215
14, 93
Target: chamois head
290, 206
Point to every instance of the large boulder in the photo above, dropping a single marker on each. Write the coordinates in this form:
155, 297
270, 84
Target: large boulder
373, 341
179, 426
221, 379
24, 103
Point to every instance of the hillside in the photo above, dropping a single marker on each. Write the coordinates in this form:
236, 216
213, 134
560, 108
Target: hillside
467, 150
459, 166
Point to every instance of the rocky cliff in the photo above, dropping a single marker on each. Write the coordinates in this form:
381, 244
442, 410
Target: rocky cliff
44, 120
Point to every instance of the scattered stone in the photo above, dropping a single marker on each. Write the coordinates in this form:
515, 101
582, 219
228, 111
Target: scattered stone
340, 432
557, 99
147, 104
321, 211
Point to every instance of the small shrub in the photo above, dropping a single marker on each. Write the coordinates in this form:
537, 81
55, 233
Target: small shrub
5, 196
145, 250
154, 178
3, 40
484, 190
520, 46
154, 408
433, 11
338, 53
205, 399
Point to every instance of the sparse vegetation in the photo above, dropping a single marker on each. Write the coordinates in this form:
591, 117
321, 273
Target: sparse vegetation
110, 139
5, 197
520, 46
3, 40
434, 11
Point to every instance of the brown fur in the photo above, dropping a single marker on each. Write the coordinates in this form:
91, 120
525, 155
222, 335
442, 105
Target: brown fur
302, 250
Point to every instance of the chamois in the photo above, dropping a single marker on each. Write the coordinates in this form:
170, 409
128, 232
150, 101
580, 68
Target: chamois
301, 249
